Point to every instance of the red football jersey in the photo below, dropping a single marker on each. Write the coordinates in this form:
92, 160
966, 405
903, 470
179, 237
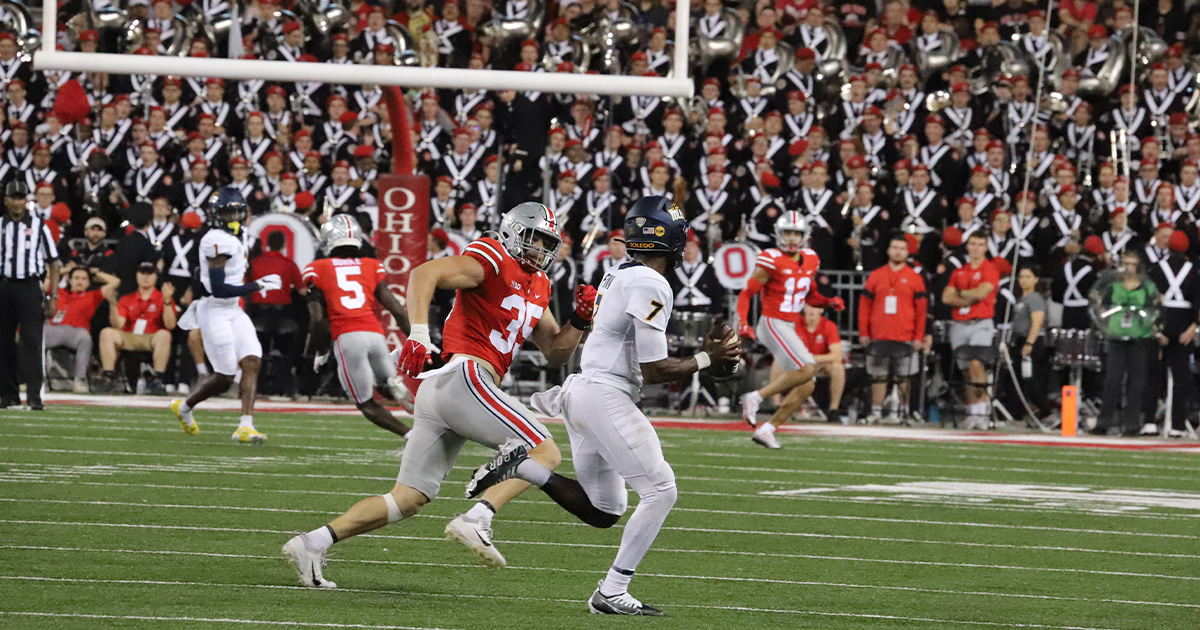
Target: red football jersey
788, 282
492, 320
349, 288
967, 277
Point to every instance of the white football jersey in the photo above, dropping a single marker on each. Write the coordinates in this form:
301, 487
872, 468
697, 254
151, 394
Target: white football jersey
631, 299
221, 243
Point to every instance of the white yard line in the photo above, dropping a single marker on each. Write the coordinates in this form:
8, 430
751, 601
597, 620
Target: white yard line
688, 529
847, 585
579, 603
265, 454
697, 510
265, 622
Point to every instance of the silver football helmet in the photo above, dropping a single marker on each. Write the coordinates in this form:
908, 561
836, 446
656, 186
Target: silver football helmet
340, 230
530, 233
791, 232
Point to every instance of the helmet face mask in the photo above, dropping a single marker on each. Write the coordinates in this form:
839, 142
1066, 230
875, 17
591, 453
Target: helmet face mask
530, 234
791, 232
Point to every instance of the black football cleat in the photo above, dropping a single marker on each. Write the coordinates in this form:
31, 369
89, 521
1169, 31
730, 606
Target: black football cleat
502, 467
623, 604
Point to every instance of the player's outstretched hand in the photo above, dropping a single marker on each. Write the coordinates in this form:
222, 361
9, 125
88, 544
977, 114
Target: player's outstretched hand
269, 283
837, 304
585, 301
744, 330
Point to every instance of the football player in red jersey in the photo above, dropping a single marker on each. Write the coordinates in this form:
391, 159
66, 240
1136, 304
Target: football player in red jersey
343, 290
502, 297
784, 274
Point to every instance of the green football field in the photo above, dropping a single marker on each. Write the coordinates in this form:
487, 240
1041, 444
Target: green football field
111, 517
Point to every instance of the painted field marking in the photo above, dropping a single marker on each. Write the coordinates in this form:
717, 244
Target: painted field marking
849, 585
688, 529
577, 602
266, 622
697, 510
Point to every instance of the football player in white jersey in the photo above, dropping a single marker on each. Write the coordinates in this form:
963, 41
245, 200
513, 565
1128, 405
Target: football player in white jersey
229, 337
612, 442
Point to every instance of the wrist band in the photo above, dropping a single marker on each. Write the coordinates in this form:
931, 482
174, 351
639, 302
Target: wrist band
580, 323
420, 334
702, 360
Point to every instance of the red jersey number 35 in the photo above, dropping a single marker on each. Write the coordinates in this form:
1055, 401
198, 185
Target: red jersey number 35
524, 314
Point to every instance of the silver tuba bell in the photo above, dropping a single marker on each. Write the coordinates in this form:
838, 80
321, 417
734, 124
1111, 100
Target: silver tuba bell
581, 55
932, 62
15, 18
613, 38
1111, 75
1000, 59
770, 85
507, 33
725, 46
1150, 48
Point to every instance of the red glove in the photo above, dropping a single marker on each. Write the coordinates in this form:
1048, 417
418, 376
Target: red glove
413, 357
585, 302
837, 304
744, 330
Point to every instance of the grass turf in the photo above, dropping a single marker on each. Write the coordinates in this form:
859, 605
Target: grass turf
113, 517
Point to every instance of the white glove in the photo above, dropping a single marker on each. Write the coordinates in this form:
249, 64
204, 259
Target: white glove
320, 360
269, 283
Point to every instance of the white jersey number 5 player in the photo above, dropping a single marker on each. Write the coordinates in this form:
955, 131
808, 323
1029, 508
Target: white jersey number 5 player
612, 442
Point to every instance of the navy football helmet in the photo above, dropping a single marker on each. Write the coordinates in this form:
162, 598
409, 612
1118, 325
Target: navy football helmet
656, 224
227, 210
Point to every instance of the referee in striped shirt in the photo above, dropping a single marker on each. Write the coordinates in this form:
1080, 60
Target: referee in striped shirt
28, 292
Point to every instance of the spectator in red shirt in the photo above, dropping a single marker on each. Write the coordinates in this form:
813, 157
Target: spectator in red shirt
971, 292
273, 261
71, 324
820, 336
891, 313
141, 322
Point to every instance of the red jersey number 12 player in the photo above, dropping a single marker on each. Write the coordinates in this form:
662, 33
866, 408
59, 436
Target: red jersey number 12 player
784, 275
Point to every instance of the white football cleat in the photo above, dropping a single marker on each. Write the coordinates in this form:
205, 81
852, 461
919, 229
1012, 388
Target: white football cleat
765, 436
308, 563
750, 403
1149, 429
477, 537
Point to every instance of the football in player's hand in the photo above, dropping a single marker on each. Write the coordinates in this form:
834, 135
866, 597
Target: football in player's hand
725, 350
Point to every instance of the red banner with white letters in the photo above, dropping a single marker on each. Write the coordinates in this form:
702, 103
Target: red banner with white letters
401, 240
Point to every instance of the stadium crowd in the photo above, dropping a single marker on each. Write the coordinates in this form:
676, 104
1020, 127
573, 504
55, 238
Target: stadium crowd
888, 147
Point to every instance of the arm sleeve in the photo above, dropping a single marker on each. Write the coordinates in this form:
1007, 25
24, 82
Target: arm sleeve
309, 275
216, 278
51, 249
753, 286
817, 299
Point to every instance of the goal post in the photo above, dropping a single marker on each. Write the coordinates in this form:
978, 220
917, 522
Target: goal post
47, 58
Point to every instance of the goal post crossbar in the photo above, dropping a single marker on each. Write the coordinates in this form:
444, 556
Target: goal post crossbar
47, 58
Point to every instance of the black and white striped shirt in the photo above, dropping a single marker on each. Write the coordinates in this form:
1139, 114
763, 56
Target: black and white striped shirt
25, 246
